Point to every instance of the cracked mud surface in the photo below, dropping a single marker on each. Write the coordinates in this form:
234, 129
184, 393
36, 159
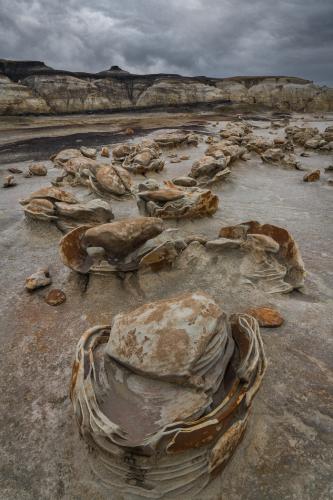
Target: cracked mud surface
287, 449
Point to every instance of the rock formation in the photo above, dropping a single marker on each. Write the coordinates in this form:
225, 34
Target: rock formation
33, 87
62, 208
191, 402
176, 202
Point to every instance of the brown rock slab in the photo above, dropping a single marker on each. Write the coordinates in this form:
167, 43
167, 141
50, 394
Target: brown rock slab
266, 316
55, 297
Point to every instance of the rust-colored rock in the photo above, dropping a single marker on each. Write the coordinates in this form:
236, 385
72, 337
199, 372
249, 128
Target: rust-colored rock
312, 176
266, 316
55, 297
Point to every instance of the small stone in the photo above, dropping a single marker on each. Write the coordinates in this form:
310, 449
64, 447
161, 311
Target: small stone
14, 170
184, 157
88, 152
329, 168
39, 279
129, 131
38, 169
105, 152
266, 316
9, 181
184, 181
175, 160
55, 297
312, 176
305, 155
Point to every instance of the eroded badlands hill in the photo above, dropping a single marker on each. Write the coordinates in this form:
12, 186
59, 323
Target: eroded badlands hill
31, 87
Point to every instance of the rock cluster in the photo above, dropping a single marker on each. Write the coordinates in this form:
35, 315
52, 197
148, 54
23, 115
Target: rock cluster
140, 158
187, 375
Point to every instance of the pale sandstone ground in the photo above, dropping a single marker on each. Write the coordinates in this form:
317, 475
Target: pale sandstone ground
287, 450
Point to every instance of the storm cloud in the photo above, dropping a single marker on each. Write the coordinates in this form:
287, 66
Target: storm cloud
191, 37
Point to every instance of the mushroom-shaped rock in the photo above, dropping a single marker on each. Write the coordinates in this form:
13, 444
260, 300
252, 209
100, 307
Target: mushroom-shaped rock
117, 239
111, 180
188, 377
50, 193
194, 202
274, 250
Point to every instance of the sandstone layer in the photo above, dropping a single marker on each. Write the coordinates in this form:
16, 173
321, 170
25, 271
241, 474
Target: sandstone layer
31, 87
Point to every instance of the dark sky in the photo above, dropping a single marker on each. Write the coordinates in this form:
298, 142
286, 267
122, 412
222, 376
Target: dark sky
191, 37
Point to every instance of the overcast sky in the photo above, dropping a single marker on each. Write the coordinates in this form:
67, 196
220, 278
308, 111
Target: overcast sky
191, 37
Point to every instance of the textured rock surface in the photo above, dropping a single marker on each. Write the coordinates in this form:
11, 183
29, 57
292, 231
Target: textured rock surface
187, 378
44, 90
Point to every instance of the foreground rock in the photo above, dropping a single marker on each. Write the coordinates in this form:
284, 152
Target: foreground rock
189, 381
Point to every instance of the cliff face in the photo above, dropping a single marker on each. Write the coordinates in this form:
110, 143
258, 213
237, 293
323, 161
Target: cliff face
32, 87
